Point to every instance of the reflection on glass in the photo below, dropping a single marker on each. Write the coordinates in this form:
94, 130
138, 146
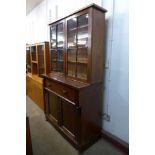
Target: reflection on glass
71, 32
60, 35
53, 36
83, 31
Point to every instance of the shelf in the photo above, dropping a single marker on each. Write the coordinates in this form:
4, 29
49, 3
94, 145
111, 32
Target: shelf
60, 32
79, 62
55, 49
77, 48
34, 62
74, 29
55, 60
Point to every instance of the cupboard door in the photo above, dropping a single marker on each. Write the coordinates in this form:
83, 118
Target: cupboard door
60, 47
82, 43
52, 106
69, 119
57, 47
77, 47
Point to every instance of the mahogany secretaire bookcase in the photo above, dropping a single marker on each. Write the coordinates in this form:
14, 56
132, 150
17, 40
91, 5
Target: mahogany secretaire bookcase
73, 88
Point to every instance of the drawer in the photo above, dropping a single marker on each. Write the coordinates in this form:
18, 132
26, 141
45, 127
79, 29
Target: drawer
62, 90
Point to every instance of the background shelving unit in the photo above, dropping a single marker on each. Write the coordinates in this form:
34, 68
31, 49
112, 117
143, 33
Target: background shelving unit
37, 63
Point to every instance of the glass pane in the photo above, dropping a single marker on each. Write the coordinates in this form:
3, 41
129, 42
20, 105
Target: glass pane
82, 55
60, 66
54, 66
57, 44
33, 51
53, 37
82, 71
72, 55
41, 59
60, 36
54, 60
71, 32
60, 45
71, 69
83, 31
60, 55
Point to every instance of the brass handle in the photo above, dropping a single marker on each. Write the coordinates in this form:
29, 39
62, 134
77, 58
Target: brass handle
65, 91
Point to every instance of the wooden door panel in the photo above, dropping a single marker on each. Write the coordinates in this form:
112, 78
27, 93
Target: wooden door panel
53, 105
69, 117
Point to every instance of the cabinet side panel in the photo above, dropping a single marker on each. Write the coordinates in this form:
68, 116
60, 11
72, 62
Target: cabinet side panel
98, 25
90, 100
35, 91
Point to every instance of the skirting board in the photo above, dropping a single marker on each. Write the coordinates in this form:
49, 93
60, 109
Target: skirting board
120, 144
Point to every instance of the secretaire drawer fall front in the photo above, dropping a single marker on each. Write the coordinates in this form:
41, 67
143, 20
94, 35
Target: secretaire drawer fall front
62, 90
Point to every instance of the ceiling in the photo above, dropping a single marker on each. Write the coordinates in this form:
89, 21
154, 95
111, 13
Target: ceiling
30, 4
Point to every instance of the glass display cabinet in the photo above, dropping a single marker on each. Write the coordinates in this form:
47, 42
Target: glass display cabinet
73, 88
37, 58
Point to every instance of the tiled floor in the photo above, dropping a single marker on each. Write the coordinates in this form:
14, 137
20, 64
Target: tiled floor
47, 141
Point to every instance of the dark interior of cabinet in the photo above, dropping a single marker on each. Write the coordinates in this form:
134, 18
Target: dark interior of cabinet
41, 65
28, 59
33, 52
34, 68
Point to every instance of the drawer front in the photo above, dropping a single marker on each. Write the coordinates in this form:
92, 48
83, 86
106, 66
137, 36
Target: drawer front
65, 91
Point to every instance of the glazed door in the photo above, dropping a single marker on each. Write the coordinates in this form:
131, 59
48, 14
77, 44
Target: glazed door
77, 47
52, 106
57, 47
70, 118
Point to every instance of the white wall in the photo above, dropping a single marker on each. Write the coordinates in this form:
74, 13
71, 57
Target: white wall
36, 24
116, 100
116, 94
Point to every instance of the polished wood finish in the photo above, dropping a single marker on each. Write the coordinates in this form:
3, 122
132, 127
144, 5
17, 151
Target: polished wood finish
73, 99
34, 89
97, 56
